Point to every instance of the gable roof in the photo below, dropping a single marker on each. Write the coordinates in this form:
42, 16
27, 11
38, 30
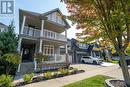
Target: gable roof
56, 10
3, 25
30, 12
46, 13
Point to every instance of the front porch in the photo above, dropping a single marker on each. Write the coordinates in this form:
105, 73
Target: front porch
50, 48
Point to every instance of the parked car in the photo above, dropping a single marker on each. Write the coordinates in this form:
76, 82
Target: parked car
127, 62
90, 59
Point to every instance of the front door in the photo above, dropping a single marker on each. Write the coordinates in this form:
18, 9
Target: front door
28, 53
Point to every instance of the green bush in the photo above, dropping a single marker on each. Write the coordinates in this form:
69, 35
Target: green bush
6, 81
55, 73
10, 61
48, 75
75, 69
28, 78
63, 71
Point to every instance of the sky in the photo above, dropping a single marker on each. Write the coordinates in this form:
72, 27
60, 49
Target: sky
39, 6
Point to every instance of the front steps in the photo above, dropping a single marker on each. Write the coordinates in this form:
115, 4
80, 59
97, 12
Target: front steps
27, 67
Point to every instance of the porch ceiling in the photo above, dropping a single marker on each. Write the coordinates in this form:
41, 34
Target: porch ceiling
54, 26
29, 41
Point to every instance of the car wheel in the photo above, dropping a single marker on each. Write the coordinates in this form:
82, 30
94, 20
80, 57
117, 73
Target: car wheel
83, 61
94, 62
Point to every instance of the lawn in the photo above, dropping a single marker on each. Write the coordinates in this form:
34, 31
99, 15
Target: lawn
96, 81
115, 62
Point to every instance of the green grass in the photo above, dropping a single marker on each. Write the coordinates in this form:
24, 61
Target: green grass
115, 62
96, 81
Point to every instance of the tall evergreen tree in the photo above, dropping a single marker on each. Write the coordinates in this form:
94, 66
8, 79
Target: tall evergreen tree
8, 40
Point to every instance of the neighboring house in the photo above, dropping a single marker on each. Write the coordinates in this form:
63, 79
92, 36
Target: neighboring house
41, 33
78, 50
3, 27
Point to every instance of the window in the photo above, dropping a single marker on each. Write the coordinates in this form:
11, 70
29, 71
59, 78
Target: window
86, 57
48, 50
1, 29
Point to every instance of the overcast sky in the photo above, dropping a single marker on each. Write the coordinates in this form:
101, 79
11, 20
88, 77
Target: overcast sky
39, 6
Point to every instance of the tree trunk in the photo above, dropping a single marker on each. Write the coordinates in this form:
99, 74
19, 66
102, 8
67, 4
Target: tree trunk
124, 68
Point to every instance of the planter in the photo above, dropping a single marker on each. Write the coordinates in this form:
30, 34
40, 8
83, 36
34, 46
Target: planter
115, 83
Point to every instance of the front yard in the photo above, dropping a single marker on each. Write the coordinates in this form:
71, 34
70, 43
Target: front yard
96, 81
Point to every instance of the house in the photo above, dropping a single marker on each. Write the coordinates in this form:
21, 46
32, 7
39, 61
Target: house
41, 33
3, 27
77, 50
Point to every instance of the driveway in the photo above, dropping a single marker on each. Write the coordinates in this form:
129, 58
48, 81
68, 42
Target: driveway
90, 70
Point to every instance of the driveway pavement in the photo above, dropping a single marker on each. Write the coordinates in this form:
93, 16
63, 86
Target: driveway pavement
90, 70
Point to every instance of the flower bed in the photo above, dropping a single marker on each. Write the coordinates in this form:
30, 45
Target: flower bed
49, 75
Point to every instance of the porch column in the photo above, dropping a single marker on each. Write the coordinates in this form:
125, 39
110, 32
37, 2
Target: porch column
42, 27
19, 44
66, 47
41, 35
19, 66
40, 46
23, 23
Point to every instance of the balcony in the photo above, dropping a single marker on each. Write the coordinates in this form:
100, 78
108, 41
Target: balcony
29, 31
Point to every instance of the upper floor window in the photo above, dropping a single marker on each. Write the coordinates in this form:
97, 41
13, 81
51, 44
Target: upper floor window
2, 29
56, 17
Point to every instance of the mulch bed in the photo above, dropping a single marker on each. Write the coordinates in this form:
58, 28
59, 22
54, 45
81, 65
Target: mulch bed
118, 83
42, 78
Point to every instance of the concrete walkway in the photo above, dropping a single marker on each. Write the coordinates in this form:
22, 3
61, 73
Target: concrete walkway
90, 70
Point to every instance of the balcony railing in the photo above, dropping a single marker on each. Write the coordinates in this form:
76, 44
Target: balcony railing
29, 31
56, 58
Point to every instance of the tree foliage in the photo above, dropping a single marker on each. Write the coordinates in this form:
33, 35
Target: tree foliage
8, 40
103, 19
9, 61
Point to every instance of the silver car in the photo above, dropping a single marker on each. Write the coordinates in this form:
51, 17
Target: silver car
90, 59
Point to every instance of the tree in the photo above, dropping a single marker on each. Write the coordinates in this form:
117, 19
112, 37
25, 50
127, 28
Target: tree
104, 19
10, 60
8, 40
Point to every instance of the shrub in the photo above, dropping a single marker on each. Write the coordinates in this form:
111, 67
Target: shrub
63, 71
75, 69
39, 78
28, 78
48, 75
71, 72
55, 74
10, 61
6, 81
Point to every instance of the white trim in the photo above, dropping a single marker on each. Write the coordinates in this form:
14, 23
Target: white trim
22, 27
42, 28
48, 47
40, 47
19, 44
